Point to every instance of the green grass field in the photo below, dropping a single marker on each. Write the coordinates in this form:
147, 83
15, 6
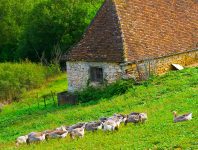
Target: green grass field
177, 90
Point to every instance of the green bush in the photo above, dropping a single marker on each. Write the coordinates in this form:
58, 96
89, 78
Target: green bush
108, 91
16, 78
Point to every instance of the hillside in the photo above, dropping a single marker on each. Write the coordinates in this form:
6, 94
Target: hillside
158, 97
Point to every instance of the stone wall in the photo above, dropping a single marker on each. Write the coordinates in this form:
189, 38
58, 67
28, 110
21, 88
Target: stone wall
161, 65
78, 73
184, 59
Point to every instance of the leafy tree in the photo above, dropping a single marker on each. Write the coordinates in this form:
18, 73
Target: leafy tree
29, 29
55, 22
12, 17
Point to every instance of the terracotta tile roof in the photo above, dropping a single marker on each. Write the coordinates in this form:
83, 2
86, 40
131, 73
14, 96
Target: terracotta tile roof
131, 30
102, 41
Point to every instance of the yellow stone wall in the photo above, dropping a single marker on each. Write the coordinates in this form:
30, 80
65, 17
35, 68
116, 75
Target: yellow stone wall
163, 64
184, 59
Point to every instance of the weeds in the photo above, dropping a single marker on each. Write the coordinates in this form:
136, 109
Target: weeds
108, 91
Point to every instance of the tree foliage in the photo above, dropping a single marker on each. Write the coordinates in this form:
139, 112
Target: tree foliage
13, 14
31, 29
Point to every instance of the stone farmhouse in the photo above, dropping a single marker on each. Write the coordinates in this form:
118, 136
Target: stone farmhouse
134, 38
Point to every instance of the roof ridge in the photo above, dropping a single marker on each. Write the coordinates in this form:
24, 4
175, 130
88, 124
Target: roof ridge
122, 33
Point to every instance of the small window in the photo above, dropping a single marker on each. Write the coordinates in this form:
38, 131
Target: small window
96, 74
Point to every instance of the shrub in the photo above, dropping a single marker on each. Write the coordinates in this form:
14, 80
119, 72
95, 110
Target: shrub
16, 78
108, 91
52, 69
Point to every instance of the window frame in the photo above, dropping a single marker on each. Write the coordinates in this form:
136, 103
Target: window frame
96, 74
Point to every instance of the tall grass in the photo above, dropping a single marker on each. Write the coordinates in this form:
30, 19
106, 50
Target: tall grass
17, 78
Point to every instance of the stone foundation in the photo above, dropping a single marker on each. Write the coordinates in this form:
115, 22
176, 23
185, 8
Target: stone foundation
78, 73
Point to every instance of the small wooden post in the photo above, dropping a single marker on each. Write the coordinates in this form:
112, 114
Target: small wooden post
149, 67
38, 100
53, 97
44, 101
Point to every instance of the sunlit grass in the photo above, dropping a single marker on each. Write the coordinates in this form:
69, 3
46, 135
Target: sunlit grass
158, 97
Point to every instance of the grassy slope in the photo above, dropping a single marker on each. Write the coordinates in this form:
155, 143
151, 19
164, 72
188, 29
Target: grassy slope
158, 97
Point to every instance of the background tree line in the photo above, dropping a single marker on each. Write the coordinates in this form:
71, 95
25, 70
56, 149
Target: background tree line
35, 29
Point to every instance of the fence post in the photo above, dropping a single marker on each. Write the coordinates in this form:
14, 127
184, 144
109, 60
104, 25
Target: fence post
53, 97
38, 100
44, 101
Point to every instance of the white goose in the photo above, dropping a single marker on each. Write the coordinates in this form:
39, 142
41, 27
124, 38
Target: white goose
21, 140
61, 128
110, 125
121, 117
35, 137
77, 132
136, 117
93, 126
78, 125
56, 134
180, 118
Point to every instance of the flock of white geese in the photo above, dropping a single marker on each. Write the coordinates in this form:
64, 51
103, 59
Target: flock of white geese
78, 130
